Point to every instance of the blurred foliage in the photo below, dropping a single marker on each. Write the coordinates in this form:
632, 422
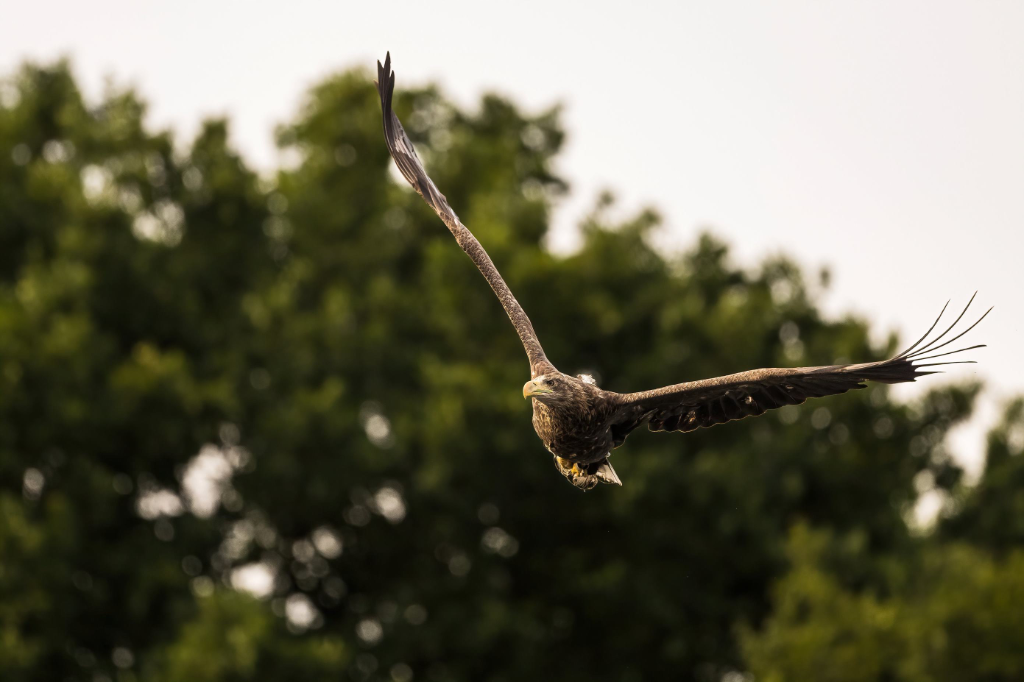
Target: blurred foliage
214, 383
991, 515
949, 612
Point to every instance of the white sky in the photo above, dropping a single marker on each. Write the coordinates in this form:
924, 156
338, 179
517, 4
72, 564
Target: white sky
883, 139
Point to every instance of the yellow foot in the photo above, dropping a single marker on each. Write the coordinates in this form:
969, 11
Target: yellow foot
568, 466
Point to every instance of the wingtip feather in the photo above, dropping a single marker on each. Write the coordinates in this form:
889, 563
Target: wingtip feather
385, 81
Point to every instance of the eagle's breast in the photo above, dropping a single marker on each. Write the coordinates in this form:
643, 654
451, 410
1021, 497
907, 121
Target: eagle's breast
573, 432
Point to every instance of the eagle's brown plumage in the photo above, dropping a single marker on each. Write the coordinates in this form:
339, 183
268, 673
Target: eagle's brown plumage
579, 423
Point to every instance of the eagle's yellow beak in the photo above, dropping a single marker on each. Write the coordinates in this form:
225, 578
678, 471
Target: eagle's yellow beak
532, 388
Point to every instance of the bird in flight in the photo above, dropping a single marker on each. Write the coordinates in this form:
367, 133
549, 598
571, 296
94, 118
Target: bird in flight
580, 423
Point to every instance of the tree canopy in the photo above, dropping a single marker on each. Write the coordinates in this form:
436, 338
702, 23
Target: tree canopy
262, 427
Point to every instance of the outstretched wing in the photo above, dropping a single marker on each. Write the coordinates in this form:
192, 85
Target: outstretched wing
412, 169
689, 406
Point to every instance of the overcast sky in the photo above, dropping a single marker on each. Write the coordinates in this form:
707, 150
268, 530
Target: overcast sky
882, 139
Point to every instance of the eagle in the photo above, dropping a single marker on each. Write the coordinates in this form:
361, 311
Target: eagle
580, 423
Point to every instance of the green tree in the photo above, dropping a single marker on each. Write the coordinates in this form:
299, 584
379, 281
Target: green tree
300, 386
991, 514
949, 612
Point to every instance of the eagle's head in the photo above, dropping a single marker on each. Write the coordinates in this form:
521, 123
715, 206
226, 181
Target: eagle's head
553, 388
